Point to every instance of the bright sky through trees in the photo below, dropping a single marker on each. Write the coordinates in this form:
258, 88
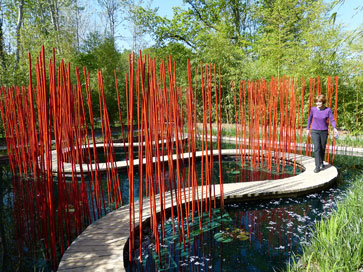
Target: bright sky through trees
250, 39
347, 14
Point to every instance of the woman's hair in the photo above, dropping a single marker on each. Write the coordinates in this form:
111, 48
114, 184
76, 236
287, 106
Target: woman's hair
320, 98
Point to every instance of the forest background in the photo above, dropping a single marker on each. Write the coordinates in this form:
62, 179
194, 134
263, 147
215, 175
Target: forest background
250, 39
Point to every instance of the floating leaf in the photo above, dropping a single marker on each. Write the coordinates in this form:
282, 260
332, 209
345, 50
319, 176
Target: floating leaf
190, 240
222, 237
214, 224
226, 220
184, 254
164, 252
216, 211
218, 236
242, 237
197, 232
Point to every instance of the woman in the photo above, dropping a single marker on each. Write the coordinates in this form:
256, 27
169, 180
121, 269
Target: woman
319, 129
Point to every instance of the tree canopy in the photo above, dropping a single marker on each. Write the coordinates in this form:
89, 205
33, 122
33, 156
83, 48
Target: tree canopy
250, 39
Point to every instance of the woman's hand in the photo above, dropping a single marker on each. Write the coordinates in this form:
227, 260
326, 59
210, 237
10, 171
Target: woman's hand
336, 133
308, 132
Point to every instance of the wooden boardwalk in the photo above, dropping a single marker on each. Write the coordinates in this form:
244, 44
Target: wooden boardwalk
122, 164
101, 246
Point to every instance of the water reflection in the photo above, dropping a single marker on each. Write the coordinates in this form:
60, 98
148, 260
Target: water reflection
276, 230
25, 223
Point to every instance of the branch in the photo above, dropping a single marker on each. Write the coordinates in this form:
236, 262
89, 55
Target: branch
181, 38
200, 15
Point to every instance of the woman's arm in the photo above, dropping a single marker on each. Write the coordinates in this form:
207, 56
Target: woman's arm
333, 124
310, 118
331, 118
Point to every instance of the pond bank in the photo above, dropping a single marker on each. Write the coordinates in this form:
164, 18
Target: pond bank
337, 244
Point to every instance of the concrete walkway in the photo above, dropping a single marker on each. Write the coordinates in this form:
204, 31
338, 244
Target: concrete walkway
101, 246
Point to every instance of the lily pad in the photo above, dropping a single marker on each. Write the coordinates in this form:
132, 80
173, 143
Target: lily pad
196, 232
226, 220
184, 254
222, 237
242, 237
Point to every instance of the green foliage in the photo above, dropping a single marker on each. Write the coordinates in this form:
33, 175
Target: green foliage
250, 39
37, 28
99, 54
351, 95
338, 242
178, 53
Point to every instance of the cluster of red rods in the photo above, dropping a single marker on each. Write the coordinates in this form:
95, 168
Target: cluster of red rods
50, 115
269, 118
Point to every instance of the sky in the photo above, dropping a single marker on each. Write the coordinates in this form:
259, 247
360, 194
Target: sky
166, 6
347, 15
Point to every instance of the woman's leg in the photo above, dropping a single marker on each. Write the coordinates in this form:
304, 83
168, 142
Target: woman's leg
315, 134
323, 139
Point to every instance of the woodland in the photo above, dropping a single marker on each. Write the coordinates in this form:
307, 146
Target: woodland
250, 39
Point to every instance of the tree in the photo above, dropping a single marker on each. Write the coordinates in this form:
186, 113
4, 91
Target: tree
2, 51
112, 8
99, 53
351, 92
18, 28
194, 24
31, 24
283, 26
130, 17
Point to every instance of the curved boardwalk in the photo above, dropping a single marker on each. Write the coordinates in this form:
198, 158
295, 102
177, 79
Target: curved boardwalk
122, 164
100, 246
101, 166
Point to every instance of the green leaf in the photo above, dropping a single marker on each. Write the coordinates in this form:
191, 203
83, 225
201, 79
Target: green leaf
222, 237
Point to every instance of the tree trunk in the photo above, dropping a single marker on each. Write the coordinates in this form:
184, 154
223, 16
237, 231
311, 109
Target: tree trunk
2, 53
53, 8
18, 28
112, 7
77, 24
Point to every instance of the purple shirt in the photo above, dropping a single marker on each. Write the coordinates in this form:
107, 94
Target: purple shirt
320, 119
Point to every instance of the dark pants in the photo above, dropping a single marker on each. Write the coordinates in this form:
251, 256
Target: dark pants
319, 139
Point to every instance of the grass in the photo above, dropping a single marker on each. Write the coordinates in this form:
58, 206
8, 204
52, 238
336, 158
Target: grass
351, 141
344, 140
337, 244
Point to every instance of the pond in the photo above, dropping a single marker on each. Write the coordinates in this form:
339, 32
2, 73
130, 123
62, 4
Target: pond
250, 236
271, 239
